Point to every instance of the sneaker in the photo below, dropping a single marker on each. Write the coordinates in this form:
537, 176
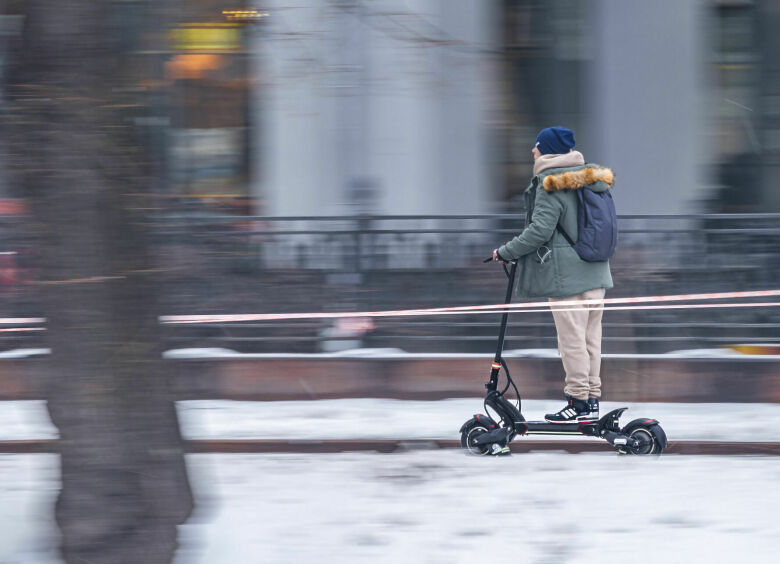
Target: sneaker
593, 403
575, 410
498, 450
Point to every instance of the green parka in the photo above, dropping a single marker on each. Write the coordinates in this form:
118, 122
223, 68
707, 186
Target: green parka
548, 266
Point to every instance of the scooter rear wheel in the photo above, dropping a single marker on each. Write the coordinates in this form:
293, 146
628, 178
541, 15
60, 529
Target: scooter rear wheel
469, 435
651, 439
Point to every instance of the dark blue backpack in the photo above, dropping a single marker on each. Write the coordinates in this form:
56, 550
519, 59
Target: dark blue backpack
597, 229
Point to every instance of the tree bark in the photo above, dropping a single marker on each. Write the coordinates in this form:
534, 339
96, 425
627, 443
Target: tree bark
124, 483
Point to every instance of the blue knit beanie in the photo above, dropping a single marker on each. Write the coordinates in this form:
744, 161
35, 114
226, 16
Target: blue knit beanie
555, 140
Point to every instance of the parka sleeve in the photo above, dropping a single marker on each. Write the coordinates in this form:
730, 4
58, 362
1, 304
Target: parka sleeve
547, 212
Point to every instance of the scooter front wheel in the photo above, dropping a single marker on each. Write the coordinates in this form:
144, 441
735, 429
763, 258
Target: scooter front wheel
469, 433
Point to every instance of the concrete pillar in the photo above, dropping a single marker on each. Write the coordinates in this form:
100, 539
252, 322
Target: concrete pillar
647, 101
374, 106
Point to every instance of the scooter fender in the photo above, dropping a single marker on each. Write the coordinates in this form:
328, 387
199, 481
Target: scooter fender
647, 423
480, 418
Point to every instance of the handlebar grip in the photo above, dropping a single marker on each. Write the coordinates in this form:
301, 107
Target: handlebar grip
489, 259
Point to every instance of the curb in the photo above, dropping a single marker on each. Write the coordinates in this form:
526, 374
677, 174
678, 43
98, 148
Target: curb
265, 446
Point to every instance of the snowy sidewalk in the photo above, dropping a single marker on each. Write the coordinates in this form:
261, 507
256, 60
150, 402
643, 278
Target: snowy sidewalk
369, 418
440, 508
446, 508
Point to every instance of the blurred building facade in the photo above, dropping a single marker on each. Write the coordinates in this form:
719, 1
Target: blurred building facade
359, 107
206, 76
376, 107
432, 107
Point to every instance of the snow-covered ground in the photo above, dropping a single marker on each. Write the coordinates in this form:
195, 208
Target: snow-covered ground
365, 418
368, 418
445, 507
433, 506
29, 484
25, 420
442, 507
387, 353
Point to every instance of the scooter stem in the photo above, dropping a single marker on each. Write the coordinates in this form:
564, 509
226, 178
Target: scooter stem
496, 366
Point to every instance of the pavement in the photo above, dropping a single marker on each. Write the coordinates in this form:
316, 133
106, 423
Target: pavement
388, 419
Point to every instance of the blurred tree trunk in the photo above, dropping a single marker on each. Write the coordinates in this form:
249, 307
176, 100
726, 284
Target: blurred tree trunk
124, 484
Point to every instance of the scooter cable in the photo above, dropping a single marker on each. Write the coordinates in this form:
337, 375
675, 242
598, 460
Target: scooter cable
510, 380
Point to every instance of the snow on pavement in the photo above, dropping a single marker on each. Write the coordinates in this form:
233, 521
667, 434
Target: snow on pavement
29, 484
24, 420
441, 507
446, 507
371, 418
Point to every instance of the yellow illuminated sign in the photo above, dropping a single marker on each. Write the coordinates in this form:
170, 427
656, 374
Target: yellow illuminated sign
206, 37
244, 15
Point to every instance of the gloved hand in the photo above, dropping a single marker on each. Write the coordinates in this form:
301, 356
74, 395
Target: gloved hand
497, 256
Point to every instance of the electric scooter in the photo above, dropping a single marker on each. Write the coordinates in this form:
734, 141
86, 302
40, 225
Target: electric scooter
484, 435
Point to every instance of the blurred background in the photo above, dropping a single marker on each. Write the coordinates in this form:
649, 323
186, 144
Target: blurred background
361, 155
357, 155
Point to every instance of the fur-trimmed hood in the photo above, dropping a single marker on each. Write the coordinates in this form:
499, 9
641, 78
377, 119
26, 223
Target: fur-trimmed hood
573, 179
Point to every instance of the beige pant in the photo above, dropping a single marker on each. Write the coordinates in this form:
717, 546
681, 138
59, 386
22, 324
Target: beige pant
579, 342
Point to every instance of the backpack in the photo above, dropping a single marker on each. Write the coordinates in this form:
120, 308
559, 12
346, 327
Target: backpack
597, 227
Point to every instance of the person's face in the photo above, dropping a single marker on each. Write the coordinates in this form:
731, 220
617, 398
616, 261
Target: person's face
536, 153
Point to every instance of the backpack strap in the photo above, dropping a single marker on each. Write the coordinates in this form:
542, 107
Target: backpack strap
581, 207
558, 225
565, 235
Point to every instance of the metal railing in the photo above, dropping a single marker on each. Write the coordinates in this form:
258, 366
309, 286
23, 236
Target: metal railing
229, 264
369, 262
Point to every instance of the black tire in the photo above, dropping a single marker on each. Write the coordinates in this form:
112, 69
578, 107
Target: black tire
652, 439
469, 432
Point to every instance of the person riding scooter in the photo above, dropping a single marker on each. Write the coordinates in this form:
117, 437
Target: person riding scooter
549, 266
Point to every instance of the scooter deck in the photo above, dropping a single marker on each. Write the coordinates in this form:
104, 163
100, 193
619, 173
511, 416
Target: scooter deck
590, 427
607, 428
547, 428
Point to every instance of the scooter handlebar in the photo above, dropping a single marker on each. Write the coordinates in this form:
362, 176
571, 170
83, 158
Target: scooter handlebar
490, 259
